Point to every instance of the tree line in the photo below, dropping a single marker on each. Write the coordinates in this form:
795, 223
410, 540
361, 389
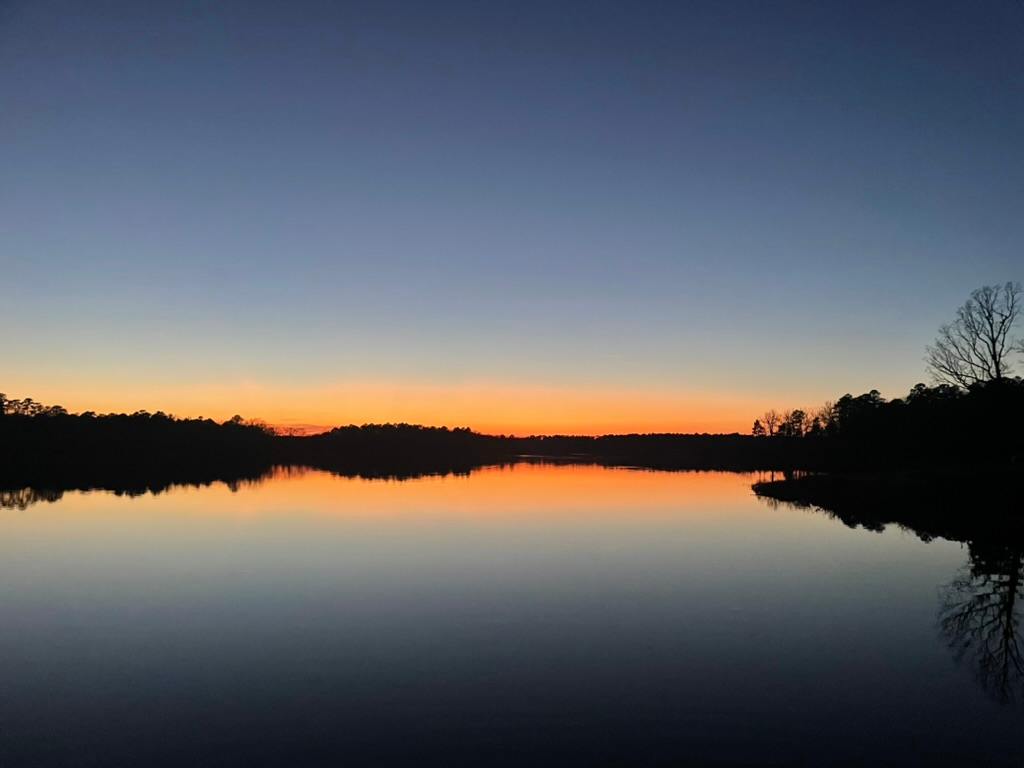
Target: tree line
973, 409
972, 415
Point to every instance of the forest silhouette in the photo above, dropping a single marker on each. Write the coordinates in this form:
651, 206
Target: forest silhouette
942, 428
964, 434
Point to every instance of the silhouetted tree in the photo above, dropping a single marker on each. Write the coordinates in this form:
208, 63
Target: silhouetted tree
23, 498
976, 346
792, 423
770, 420
825, 416
758, 429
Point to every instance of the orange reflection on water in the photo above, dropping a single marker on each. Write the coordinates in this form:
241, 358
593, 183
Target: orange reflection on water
526, 490
294, 517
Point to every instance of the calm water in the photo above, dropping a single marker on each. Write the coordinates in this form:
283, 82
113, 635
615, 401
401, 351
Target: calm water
526, 615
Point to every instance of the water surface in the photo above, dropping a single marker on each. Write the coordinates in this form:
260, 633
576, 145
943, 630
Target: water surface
533, 614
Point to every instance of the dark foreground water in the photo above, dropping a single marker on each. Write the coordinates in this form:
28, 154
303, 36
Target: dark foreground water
538, 615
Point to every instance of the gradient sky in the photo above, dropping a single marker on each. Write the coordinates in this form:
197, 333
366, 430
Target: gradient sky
515, 216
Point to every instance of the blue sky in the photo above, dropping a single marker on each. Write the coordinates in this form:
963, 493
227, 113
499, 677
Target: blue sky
772, 202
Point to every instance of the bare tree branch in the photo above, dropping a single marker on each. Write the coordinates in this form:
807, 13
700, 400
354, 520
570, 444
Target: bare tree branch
977, 345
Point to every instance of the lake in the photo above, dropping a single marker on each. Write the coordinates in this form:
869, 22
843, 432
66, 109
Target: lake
522, 615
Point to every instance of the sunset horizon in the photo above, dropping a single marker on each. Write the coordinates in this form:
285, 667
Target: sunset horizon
496, 219
487, 384
485, 408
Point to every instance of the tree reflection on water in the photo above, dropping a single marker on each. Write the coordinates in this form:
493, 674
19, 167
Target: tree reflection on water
979, 612
979, 616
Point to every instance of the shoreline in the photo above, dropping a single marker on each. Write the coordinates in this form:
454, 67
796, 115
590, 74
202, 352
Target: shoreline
955, 503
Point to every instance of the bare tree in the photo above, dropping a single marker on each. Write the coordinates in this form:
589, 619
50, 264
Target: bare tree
977, 345
770, 420
826, 414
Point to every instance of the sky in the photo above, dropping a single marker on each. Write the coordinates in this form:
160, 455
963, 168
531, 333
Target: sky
515, 216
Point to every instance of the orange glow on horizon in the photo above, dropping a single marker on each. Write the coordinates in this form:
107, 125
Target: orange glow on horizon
485, 407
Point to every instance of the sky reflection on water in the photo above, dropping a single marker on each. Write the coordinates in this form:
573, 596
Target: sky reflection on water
535, 613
